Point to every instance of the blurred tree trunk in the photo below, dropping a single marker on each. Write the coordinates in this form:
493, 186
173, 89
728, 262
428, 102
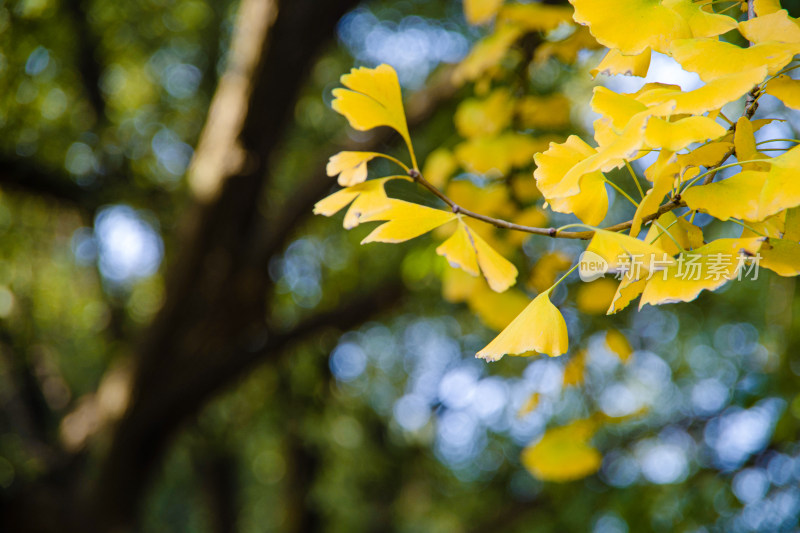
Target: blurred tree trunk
212, 326
215, 300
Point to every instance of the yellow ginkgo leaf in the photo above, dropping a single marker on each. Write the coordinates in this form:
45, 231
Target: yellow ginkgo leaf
618, 343
466, 250
499, 272
706, 268
616, 63
564, 453
734, 197
574, 369
662, 184
373, 100
618, 109
780, 256
481, 11
368, 199
775, 26
678, 135
751, 195
590, 205
628, 290
459, 250
351, 167
631, 26
791, 230
712, 95
769, 227
487, 117
439, 166
712, 59
590, 202
670, 229
744, 142
624, 146
786, 89
595, 297
540, 327
706, 156
623, 252
404, 221
702, 22
765, 7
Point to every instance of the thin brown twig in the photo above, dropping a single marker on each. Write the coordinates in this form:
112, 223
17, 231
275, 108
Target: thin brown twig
673, 203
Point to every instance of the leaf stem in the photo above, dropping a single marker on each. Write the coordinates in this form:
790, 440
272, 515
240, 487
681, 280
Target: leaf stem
623, 193
394, 160
562, 278
635, 179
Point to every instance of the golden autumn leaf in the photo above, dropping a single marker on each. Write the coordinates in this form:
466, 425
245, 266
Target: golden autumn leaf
765, 7
564, 453
367, 198
539, 327
792, 225
712, 59
705, 156
481, 11
615, 62
631, 26
404, 221
372, 99
618, 250
629, 289
744, 141
497, 309
671, 229
459, 250
706, 268
617, 108
774, 26
751, 195
712, 95
465, 249
677, 135
662, 184
351, 167
702, 22
620, 147
785, 89
781, 256
590, 202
